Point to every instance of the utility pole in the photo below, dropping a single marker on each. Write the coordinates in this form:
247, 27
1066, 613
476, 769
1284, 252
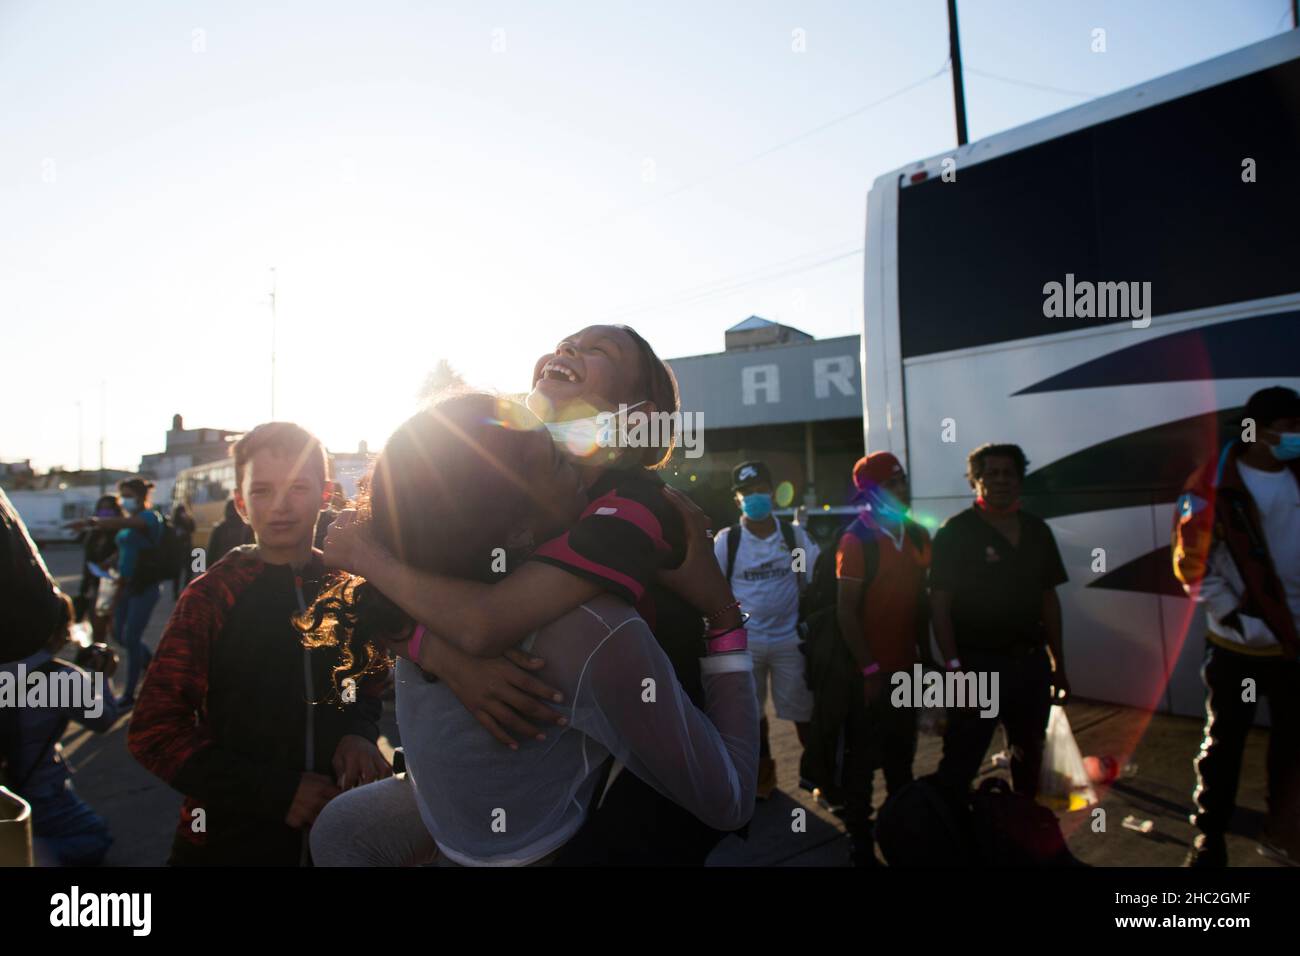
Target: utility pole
1295, 14
954, 53
102, 400
273, 289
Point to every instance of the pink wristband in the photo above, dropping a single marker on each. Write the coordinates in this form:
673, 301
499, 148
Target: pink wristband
737, 640
413, 646
872, 668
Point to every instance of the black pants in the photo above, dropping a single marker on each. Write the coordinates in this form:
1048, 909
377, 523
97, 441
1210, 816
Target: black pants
1024, 703
636, 826
1228, 719
880, 736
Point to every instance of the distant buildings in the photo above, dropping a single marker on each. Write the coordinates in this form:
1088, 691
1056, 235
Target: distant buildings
186, 447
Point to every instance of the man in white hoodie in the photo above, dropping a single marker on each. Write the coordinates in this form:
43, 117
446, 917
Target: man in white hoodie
1236, 550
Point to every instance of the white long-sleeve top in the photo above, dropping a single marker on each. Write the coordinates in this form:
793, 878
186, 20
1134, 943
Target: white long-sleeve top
486, 805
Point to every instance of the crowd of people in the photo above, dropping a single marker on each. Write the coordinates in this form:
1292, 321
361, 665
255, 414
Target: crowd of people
580, 669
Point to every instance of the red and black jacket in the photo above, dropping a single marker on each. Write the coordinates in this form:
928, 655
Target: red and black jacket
232, 703
1215, 507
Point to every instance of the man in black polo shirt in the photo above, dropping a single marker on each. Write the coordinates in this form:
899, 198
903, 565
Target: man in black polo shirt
993, 580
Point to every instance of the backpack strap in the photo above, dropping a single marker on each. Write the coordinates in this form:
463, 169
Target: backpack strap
870, 556
787, 533
733, 545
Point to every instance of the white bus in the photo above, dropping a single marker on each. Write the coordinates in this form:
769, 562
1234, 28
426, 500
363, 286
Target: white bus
1190, 182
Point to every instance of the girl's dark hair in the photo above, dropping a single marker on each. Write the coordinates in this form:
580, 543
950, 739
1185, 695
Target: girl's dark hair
445, 493
656, 382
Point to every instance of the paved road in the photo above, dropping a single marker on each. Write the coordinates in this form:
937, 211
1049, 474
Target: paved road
143, 811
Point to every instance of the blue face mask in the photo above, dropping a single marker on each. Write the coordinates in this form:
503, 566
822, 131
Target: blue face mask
1288, 449
757, 506
130, 505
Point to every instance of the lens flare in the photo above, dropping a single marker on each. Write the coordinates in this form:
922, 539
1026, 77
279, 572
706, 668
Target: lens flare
784, 494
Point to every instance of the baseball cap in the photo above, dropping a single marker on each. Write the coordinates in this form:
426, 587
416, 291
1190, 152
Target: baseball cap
875, 469
749, 473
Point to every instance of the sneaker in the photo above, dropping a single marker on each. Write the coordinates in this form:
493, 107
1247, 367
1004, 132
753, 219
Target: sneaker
766, 777
1209, 851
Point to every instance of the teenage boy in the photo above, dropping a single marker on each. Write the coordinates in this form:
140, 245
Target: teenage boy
993, 580
1237, 551
880, 565
236, 713
758, 557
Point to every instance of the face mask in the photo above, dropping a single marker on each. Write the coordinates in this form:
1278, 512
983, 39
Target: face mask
886, 505
130, 505
105, 513
757, 506
1288, 448
582, 436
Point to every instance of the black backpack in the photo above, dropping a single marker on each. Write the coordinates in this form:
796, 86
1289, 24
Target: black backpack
928, 823
159, 562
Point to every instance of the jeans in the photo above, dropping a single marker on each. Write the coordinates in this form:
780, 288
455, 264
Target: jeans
1025, 701
67, 832
1228, 720
883, 736
129, 624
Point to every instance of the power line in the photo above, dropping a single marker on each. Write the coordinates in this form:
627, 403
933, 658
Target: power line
1030, 84
758, 272
784, 144
732, 286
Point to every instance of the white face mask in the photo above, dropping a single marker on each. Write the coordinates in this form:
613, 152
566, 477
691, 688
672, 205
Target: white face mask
582, 436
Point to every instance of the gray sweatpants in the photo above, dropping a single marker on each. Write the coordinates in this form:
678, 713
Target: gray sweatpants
375, 825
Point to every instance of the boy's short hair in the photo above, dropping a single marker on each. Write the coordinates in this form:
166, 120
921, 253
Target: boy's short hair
975, 460
284, 438
1270, 404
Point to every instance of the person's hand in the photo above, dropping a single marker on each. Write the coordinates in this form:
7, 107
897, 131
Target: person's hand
314, 791
698, 580
357, 762
347, 546
503, 696
79, 525
873, 687
1060, 686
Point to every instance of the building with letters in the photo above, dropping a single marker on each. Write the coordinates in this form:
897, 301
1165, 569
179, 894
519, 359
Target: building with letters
777, 394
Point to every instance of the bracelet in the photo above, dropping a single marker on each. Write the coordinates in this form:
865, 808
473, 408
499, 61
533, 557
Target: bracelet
737, 639
413, 646
954, 664
721, 611
719, 631
872, 668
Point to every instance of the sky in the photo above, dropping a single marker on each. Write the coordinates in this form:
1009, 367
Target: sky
470, 181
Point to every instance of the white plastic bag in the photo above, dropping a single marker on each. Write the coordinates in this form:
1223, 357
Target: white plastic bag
104, 599
1063, 782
